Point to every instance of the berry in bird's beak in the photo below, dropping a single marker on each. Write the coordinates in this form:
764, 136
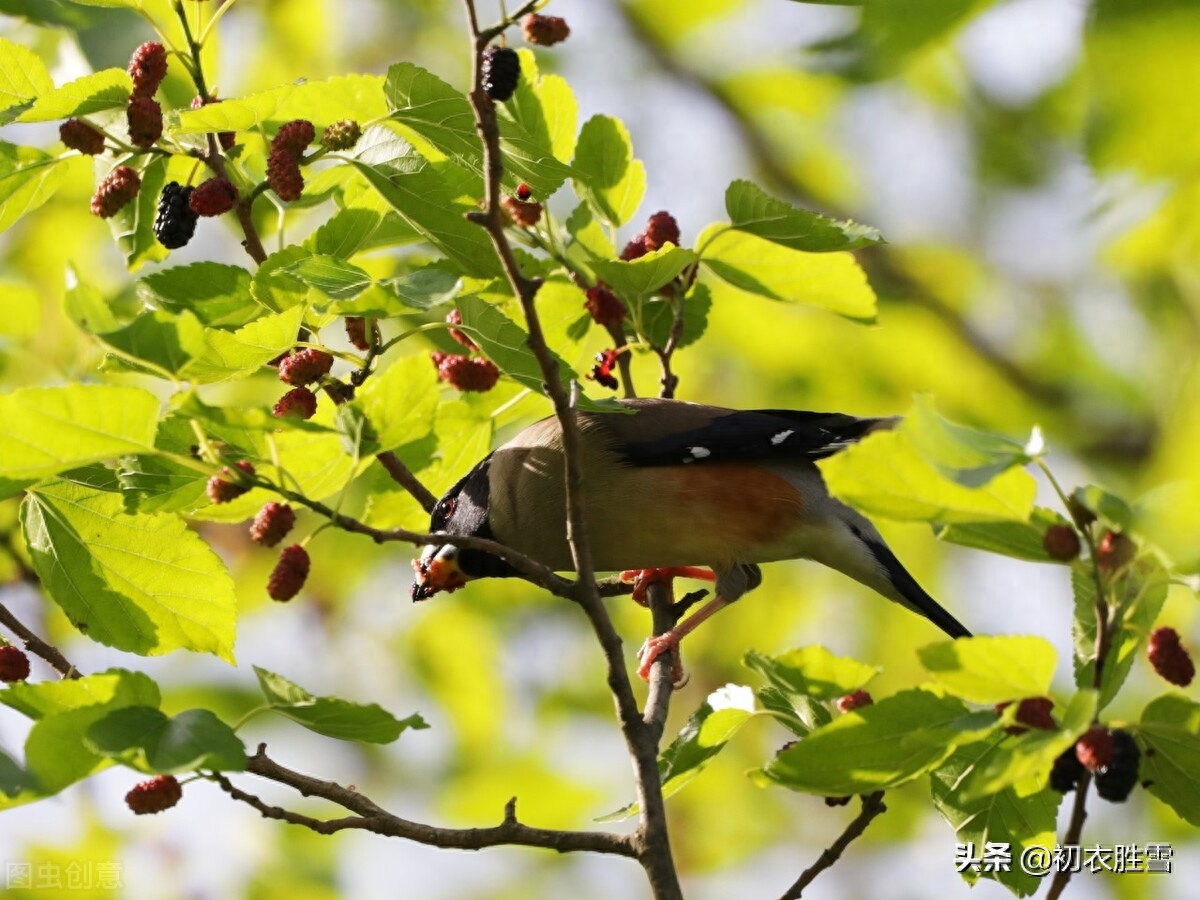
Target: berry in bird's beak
437, 570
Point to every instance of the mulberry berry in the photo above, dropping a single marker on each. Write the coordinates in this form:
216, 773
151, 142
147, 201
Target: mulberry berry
545, 31
213, 197
856, 700
272, 524
1116, 780
466, 373
604, 306
523, 215
176, 222
145, 121
606, 361
118, 187
356, 331
1116, 551
501, 72
283, 175
305, 366
1061, 543
294, 137
221, 489
1066, 771
1170, 658
662, 229
14, 664
79, 135
341, 135
524, 191
289, 574
155, 795
1094, 749
298, 403
147, 68
1033, 712
636, 248
454, 317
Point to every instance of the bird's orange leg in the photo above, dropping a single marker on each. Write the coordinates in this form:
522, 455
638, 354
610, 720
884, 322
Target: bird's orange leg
643, 578
659, 644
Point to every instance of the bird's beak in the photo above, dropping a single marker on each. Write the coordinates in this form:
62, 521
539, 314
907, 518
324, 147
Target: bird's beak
437, 570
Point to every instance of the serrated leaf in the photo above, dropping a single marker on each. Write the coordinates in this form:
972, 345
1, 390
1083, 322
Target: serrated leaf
526, 139
218, 294
23, 75
1170, 728
347, 232
273, 287
992, 669
113, 687
243, 352
341, 719
401, 401
776, 703
161, 340
884, 475
142, 583
1020, 540
871, 748
754, 211
605, 173
832, 281
432, 200
50, 430
1003, 817
28, 178
637, 279
85, 96
336, 278
812, 672
193, 739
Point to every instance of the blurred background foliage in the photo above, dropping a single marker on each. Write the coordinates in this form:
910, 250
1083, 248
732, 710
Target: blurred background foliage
1035, 168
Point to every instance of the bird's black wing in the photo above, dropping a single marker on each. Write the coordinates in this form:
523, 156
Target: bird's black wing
758, 434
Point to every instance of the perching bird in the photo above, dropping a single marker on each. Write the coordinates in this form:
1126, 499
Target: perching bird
673, 484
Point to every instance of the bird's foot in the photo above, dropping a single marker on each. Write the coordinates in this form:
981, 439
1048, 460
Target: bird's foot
641, 579
656, 646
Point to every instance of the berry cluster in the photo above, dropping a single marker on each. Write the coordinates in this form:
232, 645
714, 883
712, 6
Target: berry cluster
522, 214
148, 68
356, 331
272, 524
283, 165
116, 189
1113, 757
467, 373
1170, 658
289, 574
79, 135
175, 222
154, 795
14, 664
604, 306
545, 31
662, 229
298, 403
144, 116
213, 197
221, 489
501, 71
305, 366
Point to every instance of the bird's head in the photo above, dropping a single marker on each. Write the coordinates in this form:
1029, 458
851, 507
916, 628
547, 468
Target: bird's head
462, 511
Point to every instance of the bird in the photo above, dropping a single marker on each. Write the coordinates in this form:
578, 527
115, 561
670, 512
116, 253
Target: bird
673, 484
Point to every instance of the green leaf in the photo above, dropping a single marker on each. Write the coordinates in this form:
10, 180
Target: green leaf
871, 748
87, 307
965, 455
702, 737
1003, 817
1170, 729
28, 178
50, 430
194, 739
832, 281
530, 133
812, 672
164, 341
885, 475
776, 703
133, 226
1110, 508
346, 233
992, 669
217, 294
433, 200
754, 211
14, 779
657, 317
637, 279
1020, 540
23, 76
273, 287
1139, 594
243, 352
341, 719
91, 94
605, 174
336, 278
401, 401
113, 687
142, 583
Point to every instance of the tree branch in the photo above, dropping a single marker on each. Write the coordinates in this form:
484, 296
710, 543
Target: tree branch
36, 645
872, 806
369, 816
404, 477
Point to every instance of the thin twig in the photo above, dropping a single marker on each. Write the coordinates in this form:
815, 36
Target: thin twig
404, 477
369, 816
36, 645
872, 806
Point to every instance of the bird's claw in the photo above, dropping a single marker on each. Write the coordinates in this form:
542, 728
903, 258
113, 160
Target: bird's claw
656, 646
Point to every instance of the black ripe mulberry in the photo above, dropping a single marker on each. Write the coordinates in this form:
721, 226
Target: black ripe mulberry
501, 72
1117, 779
176, 222
1066, 772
